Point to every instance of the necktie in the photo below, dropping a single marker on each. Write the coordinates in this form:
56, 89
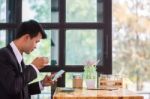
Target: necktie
22, 66
25, 89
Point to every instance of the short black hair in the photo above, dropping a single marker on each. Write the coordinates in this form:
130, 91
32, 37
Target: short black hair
30, 27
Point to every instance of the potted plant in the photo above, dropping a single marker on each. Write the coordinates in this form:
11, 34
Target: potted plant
90, 75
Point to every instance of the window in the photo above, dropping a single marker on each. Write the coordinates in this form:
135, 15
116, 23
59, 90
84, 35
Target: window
40, 10
131, 42
81, 46
3, 11
78, 11
2, 38
2, 20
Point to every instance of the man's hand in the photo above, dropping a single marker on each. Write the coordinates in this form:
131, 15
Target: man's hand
47, 81
40, 62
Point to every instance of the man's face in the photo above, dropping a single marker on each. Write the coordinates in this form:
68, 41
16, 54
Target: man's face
31, 43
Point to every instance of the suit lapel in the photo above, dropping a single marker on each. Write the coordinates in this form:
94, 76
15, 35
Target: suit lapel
13, 58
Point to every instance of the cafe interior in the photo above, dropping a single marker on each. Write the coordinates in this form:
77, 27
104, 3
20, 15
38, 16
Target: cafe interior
102, 46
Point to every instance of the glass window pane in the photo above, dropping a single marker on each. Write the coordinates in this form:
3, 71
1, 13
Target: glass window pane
54, 47
84, 10
2, 38
83, 46
131, 42
40, 10
2, 11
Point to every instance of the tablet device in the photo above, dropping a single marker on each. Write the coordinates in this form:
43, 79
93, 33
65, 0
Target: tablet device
66, 89
57, 75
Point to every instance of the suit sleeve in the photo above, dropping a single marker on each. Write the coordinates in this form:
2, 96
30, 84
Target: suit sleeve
12, 80
34, 88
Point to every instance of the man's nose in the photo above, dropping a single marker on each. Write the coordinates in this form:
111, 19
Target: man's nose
34, 47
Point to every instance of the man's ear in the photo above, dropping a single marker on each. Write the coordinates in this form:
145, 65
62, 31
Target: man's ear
26, 37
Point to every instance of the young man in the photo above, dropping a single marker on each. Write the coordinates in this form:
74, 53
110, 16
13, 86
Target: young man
15, 76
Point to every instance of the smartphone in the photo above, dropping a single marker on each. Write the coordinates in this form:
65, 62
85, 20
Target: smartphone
57, 75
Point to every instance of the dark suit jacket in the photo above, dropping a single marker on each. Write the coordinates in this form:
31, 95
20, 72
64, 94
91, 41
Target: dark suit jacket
13, 83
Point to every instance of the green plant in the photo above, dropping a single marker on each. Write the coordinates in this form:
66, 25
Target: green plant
90, 72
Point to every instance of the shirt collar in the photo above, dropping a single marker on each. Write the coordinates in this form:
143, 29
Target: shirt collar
16, 52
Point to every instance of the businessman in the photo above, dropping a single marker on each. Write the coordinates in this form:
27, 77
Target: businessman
15, 76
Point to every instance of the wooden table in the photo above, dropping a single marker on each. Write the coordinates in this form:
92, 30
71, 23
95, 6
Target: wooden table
147, 93
95, 94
